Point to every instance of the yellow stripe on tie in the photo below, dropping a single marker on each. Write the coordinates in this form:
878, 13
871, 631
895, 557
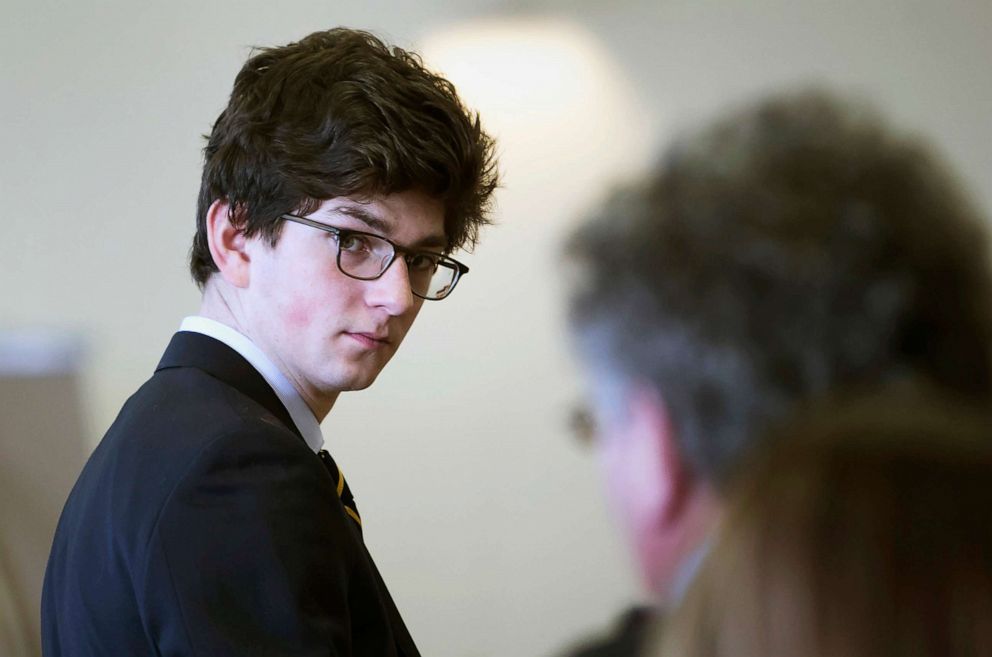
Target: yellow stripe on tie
340, 482
354, 515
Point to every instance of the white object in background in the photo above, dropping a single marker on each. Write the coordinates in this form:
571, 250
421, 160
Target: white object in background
39, 353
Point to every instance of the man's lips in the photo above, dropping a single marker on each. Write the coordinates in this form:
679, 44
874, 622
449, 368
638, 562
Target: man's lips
369, 340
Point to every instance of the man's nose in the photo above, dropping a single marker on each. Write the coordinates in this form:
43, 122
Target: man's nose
392, 290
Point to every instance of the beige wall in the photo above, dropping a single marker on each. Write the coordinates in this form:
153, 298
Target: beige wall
484, 517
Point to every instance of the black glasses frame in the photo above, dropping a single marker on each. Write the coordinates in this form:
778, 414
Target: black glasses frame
459, 268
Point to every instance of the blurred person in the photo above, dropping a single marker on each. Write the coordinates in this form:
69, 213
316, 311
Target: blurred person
794, 248
209, 521
864, 533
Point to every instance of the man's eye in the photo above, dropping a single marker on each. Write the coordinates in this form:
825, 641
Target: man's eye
422, 262
353, 243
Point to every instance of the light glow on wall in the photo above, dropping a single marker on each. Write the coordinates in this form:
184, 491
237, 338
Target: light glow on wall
564, 112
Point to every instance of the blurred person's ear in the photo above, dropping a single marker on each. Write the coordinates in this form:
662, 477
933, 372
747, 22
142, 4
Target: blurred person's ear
227, 245
661, 476
652, 489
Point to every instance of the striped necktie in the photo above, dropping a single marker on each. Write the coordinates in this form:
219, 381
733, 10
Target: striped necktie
344, 492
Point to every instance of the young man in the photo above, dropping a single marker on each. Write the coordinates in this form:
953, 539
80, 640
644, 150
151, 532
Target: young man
794, 250
209, 521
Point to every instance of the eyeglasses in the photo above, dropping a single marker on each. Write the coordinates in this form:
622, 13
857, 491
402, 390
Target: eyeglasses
582, 424
367, 257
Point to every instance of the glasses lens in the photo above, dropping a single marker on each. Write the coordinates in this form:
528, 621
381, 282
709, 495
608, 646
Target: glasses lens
432, 276
366, 257
443, 280
363, 256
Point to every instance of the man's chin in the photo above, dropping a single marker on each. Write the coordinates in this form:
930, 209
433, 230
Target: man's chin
358, 381
358, 386
353, 374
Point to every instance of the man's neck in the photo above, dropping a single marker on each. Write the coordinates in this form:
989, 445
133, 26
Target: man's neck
222, 307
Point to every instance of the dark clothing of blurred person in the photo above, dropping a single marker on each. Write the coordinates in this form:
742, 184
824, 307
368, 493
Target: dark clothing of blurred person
626, 639
795, 249
209, 521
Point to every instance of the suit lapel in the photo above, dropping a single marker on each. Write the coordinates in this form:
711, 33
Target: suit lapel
189, 349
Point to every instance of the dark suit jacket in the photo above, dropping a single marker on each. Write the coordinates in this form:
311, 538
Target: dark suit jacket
203, 524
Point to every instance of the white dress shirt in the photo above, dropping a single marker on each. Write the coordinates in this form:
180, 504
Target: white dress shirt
301, 414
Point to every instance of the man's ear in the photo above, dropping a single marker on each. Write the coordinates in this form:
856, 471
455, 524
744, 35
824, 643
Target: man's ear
671, 484
227, 245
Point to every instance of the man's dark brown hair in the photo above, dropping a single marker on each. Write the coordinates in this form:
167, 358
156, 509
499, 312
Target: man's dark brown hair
339, 113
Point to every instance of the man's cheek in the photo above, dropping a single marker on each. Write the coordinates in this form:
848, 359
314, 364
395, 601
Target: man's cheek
299, 314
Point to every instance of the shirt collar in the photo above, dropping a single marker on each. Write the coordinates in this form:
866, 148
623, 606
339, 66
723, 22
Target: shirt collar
298, 410
687, 571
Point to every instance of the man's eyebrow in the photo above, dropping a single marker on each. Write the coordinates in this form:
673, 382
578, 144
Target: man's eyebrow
438, 242
365, 217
